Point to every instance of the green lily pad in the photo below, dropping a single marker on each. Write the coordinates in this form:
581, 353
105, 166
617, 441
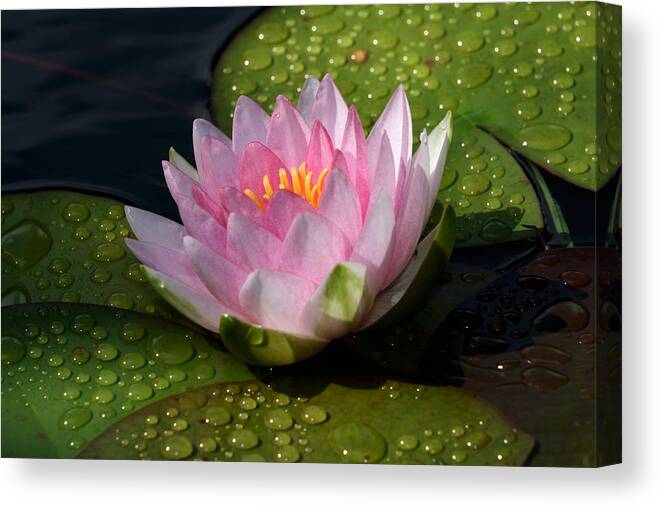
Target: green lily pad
322, 420
491, 194
67, 246
533, 75
70, 371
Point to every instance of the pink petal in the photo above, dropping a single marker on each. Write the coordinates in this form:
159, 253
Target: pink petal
354, 149
250, 245
376, 241
306, 99
256, 162
320, 150
235, 201
223, 278
201, 129
219, 166
173, 263
288, 133
275, 299
340, 204
199, 306
411, 219
396, 122
383, 178
209, 204
312, 247
282, 209
330, 109
182, 164
154, 228
176, 180
201, 225
249, 124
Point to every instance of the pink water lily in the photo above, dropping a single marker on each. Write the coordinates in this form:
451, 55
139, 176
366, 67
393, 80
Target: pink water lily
299, 229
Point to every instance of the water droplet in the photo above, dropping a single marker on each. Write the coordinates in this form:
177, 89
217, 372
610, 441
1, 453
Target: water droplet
564, 316
271, 33
103, 396
545, 137
25, 244
505, 47
206, 444
79, 356
584, 37
476, 440
407, 442
314, 414
132, 361
171, 348
526, 110
76, 212
106, 378
469, 41
433, 446
286, 454
474, 184
257, 58
176, 447
75, 418
243, 439
545, 354
576, 279
108, 252
548, 48
204, 371
71, 393
525, 18
542, 377
217, 416
13, 350
120, 300
577, 167
495, 230
106, 352
139, 392
83, 323
356, 442
473, 75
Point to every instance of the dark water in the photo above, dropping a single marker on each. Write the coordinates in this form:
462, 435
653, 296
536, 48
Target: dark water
93, 99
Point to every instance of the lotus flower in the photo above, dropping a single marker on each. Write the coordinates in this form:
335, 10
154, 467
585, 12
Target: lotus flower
298, 230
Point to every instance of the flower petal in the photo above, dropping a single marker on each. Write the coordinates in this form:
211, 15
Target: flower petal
340, 204
330, 109
312, 247
266, 347
411, 218
200, 307
375, 244
223, 278
275, 299
288, 133
219, 166
282, 209
396, 122
201, 225
148, 226
235, 201
249, 124
250, 245
320, 150
402, 298
201, 129
170, 262
354, 150
177, 181
383, 176
182, 164
438, 143
256, 162
340, 303
306, 99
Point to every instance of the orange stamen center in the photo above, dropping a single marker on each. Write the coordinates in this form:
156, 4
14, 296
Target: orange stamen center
297, 180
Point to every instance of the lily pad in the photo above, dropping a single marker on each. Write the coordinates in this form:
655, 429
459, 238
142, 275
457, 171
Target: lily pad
493, 198
67, 246
70, 371
530, 74
325, 420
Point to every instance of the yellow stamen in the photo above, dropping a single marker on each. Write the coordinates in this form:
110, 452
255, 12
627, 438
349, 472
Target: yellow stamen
268, 189
284, 181
254, 198
297, 180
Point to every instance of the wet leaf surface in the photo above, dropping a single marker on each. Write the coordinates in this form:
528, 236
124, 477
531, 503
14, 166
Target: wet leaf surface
526, 73
347, 420
69, 371
68, 246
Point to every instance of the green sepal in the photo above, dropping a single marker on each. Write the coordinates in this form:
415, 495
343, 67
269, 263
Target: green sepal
266, 347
